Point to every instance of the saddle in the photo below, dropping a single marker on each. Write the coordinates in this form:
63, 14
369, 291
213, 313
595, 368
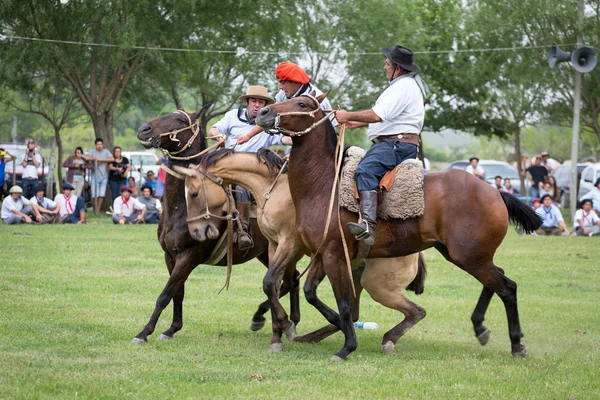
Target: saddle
401, 193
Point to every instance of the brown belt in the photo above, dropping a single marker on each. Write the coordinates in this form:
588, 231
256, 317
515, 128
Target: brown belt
411, 138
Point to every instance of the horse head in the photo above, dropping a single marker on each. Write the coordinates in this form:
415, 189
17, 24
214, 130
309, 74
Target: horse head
172, 131
291, 117
206, 202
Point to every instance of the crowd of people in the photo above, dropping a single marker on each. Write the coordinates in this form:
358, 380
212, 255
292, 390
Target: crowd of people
131, 204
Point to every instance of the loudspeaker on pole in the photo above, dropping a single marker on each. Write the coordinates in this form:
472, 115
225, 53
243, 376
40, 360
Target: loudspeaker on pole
583, 58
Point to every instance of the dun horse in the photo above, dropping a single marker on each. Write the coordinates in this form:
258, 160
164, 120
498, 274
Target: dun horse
465, 219
262, 175
178, 133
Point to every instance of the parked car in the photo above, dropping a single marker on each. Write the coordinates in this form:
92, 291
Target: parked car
589, 176
141, 163
493, 168
18, 150
562, 175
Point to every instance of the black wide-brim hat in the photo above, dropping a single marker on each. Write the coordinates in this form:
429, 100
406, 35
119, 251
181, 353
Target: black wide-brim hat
402, 56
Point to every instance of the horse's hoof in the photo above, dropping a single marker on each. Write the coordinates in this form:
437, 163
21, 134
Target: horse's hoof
275, 347
388, 347
257, 325
290, 332
138, 341
164, 337
520, 352
484, 336
335, 357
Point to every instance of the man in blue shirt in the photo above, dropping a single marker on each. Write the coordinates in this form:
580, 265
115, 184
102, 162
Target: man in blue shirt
554, 224
5, 157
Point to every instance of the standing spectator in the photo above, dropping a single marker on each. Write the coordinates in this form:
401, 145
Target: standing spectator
162, 177
474, 168
5, 157
549, 163
48, 208
123, 208
99, 175
31, 162
77, 165
536, 175
509, 187
17, 209
153, 206
498, 182
150, 180
586, 222
118, 170
135, 190
72, 207
552, 219
593, 195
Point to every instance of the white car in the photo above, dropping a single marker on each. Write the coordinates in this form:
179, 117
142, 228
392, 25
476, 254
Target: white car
141, 163
589, 176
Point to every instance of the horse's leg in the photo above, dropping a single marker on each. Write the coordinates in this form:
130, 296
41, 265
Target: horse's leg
294, 291
179, 274
315, 275
177, 323
325, 332
258, 320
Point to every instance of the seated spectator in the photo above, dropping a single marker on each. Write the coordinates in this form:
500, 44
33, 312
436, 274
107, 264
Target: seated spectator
153, 206
135, 190
124, 206
509, 187
17, 209
498, 183
72, 207
553, 223
546, 189
150, 180
47, 207
594, 196
474, 168
535, 203
586, 222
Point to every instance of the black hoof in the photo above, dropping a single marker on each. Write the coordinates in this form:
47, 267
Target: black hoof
519, 351
484, 336
257, 325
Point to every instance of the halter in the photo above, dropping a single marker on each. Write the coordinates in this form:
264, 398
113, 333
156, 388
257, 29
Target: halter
195, 129
278, 128
231, 215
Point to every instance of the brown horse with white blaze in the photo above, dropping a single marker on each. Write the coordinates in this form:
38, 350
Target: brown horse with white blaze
465, 219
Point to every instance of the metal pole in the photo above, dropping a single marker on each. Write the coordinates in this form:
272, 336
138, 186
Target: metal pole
14, 161
576, 109
97, 187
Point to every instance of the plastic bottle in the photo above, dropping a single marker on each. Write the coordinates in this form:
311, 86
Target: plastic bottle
366, 325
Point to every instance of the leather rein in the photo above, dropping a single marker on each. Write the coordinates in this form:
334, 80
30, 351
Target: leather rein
277, 128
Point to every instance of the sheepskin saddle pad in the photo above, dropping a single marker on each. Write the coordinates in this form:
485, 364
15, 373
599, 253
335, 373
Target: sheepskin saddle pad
401, 197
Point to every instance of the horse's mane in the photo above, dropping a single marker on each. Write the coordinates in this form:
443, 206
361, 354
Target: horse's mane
212, 158
271, 160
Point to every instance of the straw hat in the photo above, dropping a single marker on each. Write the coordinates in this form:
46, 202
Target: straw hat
257, 92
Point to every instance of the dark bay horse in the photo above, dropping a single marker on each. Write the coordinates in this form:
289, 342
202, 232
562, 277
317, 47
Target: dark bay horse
465, 219
178, 133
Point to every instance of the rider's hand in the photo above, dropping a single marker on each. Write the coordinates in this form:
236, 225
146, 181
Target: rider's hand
342, 116
242, 139
353, 125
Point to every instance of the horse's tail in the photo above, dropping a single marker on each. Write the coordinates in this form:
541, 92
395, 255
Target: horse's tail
418, 284
520, 213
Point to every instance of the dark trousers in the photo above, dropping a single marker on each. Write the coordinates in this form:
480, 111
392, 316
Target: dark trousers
115, 187
151, 217
241, 195
29, 186
74, 217
381, 158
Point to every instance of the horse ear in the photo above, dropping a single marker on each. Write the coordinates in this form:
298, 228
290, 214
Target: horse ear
321, 97
185, 171
200, 113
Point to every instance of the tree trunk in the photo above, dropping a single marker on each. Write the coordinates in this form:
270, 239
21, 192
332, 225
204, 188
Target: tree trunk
103, 128
59, 146
518, 155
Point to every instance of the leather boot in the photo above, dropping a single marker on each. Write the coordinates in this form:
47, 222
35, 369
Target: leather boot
244, 240
365, 230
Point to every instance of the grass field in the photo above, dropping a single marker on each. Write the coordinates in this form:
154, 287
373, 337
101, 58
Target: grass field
73, 297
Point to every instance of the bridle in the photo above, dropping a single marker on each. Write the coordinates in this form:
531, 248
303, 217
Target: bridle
195, 129
277, 128
232, 214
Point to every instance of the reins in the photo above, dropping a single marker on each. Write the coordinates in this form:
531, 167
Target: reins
277, 125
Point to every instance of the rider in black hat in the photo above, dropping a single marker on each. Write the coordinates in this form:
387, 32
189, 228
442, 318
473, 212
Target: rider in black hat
395, 123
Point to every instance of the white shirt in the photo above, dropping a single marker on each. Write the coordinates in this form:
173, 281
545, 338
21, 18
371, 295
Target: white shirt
400, 108
30, 171
236, 123
126, 208
44, 202
589, 220
67, 204
594, 196
472, 170
551, 216
308, 89
10, 204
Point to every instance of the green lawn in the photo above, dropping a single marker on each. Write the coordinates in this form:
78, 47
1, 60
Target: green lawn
73, 297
